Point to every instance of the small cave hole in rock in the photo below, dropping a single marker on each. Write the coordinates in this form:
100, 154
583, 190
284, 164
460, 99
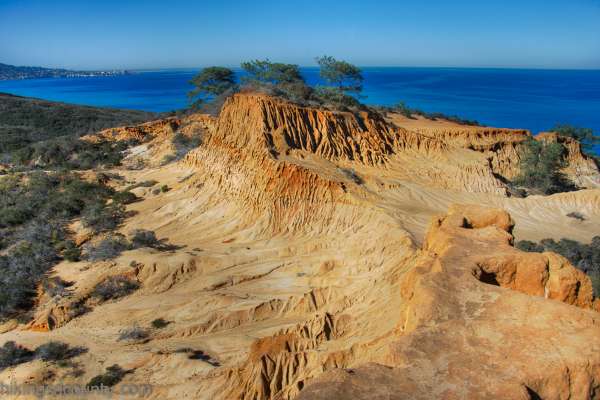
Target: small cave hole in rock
489, 278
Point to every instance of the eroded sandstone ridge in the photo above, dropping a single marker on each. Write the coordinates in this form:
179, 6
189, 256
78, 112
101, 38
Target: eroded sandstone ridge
325, 255
477, 323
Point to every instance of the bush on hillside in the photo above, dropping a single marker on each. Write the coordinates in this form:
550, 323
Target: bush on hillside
352, 175
24, 265
113, 375
159, 323
143, 238
540, 167
101, 218
12, 354
135, 333
115, 287
108, 248
57, 351
183, 144
26, 121
70, 152
125, 197
403, 109
34, 210
148, 183
55, 286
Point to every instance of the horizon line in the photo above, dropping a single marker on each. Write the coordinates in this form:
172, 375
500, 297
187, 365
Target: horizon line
237, 66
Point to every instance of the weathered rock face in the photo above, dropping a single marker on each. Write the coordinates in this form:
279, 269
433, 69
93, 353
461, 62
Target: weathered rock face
500, 147
480, 320
155, 138
261, 122
253, 155
161, 129
582, 170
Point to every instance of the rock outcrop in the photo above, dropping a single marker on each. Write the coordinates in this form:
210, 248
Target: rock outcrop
481, 320
500, 147
582, 170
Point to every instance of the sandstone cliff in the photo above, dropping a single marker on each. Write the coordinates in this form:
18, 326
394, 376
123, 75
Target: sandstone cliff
477, 321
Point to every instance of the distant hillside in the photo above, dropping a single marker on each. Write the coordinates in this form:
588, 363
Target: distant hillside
25, 120
10, 72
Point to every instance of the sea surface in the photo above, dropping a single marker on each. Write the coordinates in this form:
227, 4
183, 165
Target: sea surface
514, 98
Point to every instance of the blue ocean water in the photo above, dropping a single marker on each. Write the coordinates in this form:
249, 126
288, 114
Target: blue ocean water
515, 98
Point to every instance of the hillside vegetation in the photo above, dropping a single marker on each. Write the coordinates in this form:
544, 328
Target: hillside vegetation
24, 121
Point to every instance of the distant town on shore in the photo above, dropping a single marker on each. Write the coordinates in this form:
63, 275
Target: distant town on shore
12, 72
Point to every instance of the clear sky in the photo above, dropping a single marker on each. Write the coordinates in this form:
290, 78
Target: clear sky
176, 33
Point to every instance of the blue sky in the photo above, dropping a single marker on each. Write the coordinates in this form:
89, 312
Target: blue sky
176, 33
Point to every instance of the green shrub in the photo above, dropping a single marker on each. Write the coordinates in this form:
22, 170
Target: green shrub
57, 351
34, 210
159, 323
540, 167
168, 159
529, 246
143, 238
71, 153
403, 109
12, 354
101, 217
71, 252
584, 135
595, 278
148, 183
26, 121
108, 248
113, 375
115, 287
22, 267
135, 333
55, 287
125, 197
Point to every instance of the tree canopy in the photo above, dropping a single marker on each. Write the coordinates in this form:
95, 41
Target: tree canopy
210, 83
278, 79
540, 166
584, 135
214, 84
343, 75
270, 72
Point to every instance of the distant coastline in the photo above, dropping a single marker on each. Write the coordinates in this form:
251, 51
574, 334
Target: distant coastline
12, 72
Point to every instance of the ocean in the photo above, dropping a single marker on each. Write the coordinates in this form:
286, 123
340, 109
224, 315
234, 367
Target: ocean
515, 98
